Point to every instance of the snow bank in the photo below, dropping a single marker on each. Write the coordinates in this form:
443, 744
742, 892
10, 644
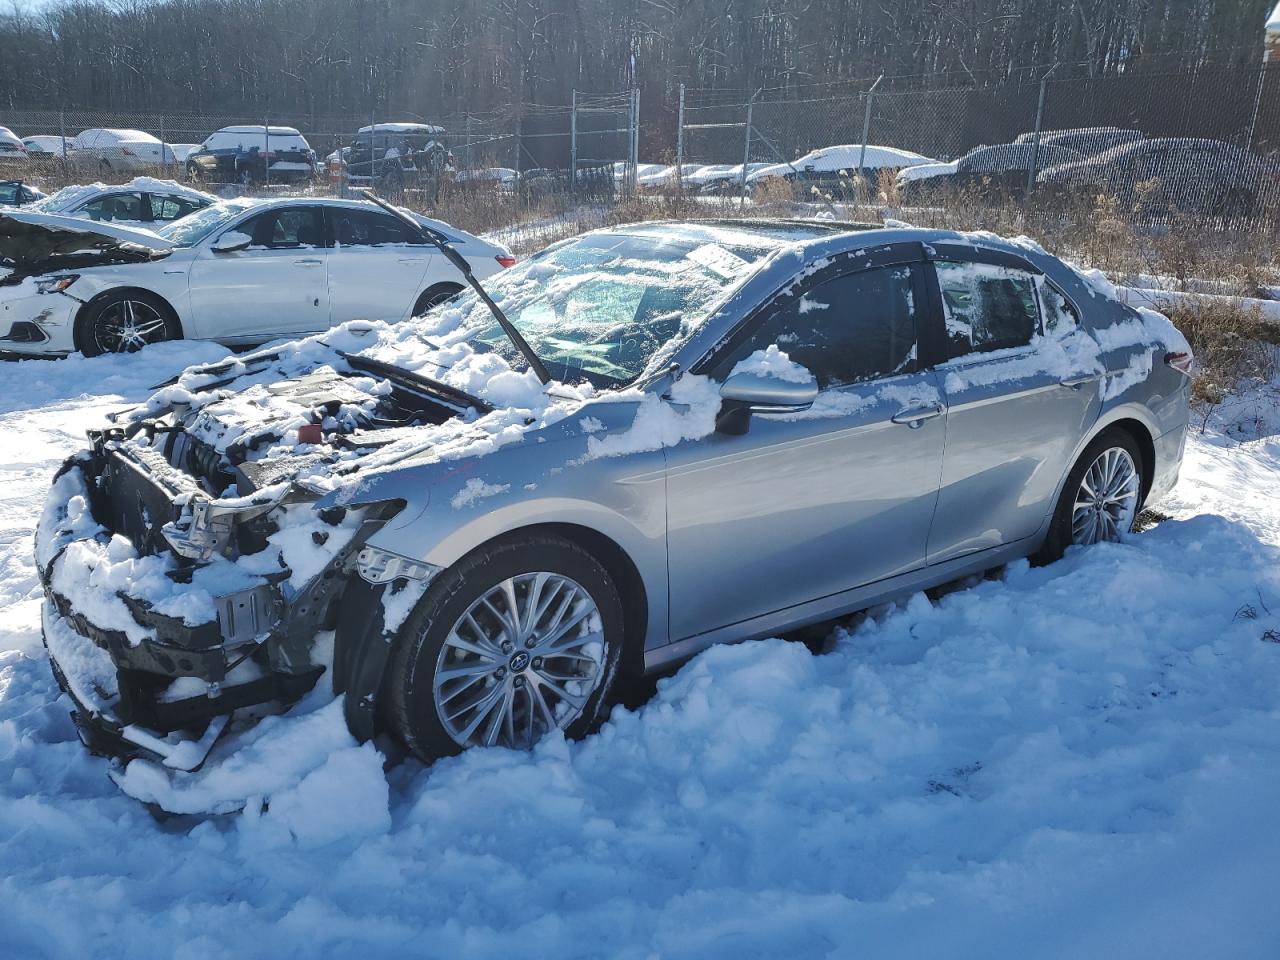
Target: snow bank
1084, 758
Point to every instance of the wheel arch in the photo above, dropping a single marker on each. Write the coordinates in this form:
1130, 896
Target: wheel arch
1138, 424
83, 310
442, 286
362, 647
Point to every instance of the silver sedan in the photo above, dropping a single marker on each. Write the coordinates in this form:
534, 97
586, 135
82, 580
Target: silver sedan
673, 435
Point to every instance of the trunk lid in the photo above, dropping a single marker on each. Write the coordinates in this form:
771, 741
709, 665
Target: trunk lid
32, 244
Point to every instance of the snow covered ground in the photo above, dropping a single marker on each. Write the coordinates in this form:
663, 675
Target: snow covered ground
1076, 761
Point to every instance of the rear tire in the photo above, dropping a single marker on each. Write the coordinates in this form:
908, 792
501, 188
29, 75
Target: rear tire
498, 672
434, 296
1114, 453
124, 321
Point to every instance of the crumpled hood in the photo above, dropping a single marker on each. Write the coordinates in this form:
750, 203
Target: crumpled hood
32, 244
322, 410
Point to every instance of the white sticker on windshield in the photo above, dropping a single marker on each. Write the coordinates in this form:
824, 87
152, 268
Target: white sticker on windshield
718, 260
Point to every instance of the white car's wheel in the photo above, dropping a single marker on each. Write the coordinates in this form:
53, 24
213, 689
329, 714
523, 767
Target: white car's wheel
124, 322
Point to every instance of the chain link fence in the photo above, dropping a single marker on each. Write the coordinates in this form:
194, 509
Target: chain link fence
1201, 144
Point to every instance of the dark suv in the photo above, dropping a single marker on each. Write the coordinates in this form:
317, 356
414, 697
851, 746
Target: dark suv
392, 156
253, 154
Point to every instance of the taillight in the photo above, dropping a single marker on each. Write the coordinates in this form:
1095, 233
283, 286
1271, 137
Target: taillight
506, 260
1180, 361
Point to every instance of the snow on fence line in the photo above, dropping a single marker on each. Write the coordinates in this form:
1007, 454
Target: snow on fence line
1158, 299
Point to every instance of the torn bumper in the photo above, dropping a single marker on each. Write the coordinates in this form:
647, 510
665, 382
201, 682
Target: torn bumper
38, 325
168, 690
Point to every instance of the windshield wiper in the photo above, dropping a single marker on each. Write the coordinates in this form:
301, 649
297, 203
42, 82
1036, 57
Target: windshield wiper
441, 243
453, 395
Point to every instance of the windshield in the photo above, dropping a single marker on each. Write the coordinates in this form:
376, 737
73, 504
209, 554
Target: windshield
603, 307
190, 230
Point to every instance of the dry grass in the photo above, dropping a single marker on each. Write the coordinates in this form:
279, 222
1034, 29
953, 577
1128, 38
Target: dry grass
1232, 343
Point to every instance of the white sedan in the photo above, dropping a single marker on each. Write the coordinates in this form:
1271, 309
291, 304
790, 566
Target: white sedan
239, 272
143, 201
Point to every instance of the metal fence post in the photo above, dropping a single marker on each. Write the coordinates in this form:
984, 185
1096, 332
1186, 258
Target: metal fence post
680, 143
62, 135
746, 145
1035, 139
866, 134
164, 145
266, 150
573, 143
633, 149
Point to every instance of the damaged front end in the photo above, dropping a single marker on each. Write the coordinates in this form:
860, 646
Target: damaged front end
191, 583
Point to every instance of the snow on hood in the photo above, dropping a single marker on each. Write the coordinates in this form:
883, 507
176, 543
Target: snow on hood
924, 171
74, 195
35, 243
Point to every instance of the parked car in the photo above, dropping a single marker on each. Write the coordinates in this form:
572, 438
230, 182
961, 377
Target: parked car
1088, 141
1164, 176
12, 149
727, 180
15, 193
486, 178
143, 200
253, 154
991, 171
240, 271
665, 178
835, 171
705, 432
46, 150
912, 181
391, 156
182, 151
104, 150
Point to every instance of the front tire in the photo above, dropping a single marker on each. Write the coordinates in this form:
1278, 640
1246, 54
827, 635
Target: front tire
1102, 496
520, 638
124, 322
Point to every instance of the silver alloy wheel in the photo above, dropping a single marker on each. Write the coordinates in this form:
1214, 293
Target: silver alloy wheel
1107, 500
128, 325
522, 660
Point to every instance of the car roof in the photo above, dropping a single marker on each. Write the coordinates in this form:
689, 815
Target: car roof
401, 127
259, 128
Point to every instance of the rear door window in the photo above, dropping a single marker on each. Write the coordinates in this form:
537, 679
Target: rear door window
987, 307
171, 208
849, 329
116, 206
364, 228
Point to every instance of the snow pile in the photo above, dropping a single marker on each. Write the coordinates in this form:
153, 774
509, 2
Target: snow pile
1083, 757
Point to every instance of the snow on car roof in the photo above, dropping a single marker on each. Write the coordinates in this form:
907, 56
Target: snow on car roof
129, 134
845, 157
70, 196
259, 128
1273, 21
401, 127
923, 171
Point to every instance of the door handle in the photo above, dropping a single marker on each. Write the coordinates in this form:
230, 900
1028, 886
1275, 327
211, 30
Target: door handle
915, 417
1076, 383
413, 259
308, 262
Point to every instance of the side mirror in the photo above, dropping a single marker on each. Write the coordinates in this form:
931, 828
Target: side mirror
231, 242
746, 393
